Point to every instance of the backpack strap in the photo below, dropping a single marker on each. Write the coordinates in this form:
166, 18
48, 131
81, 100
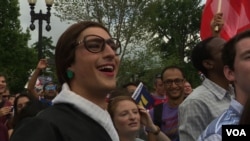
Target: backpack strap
158, 115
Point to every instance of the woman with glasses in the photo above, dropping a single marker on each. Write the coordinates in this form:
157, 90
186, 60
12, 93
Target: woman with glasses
87, 61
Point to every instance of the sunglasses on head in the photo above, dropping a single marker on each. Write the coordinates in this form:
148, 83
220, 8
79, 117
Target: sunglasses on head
50, 87
96, 44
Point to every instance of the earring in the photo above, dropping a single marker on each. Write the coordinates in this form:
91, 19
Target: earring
70, 74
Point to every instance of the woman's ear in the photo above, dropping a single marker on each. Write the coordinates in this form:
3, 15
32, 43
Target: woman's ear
229, 74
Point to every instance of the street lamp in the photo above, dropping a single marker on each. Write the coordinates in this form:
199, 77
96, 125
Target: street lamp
40, 17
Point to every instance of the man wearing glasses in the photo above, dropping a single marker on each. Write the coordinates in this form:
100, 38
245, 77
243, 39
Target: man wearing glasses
49, 90
165, 115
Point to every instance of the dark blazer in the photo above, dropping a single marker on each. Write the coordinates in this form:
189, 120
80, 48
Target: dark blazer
60, 122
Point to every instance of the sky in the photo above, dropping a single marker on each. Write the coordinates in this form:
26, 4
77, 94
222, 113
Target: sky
57, 27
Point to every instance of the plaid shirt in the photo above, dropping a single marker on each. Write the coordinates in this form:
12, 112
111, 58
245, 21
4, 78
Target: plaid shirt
203, 105
231, 116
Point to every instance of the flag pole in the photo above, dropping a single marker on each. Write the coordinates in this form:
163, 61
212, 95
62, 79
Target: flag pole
218, 11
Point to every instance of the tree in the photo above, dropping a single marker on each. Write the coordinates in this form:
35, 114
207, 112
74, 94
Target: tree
176, 27
47, 48
136, 22
48, 53
177, 22
16, 58
142, 65
119, 16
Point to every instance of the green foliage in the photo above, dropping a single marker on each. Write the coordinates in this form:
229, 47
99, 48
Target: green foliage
142, 65
176, 24
119, 16
136, 23
49, 53
47, 48
16, 58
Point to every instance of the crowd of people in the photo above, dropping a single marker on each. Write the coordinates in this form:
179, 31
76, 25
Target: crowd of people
86, 104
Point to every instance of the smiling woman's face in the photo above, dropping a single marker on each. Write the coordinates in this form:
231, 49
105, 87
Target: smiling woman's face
94, 72
126, 117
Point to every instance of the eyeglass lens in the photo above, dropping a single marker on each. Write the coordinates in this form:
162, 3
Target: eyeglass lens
96, 44
50, 87
170, 82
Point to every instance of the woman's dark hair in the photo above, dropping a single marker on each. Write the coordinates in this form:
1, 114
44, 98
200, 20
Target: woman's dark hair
32, 108
22, 94
65, 48
16, 113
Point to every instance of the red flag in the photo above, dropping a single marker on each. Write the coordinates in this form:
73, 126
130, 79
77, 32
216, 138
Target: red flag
236, 16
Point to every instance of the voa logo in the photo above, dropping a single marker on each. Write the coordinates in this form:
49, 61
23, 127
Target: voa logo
236, 132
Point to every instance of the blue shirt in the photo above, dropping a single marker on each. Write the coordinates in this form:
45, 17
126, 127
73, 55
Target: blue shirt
45, 101
230, 117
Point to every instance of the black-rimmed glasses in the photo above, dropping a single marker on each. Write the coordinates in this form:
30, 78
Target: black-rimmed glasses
169, 82
96, 44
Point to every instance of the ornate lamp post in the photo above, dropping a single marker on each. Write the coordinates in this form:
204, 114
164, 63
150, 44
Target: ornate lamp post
40, 17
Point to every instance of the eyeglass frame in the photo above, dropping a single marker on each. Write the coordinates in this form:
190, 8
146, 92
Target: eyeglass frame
165, 82
83, 41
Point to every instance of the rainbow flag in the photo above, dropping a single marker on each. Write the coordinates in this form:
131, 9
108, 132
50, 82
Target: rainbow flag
143, 97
